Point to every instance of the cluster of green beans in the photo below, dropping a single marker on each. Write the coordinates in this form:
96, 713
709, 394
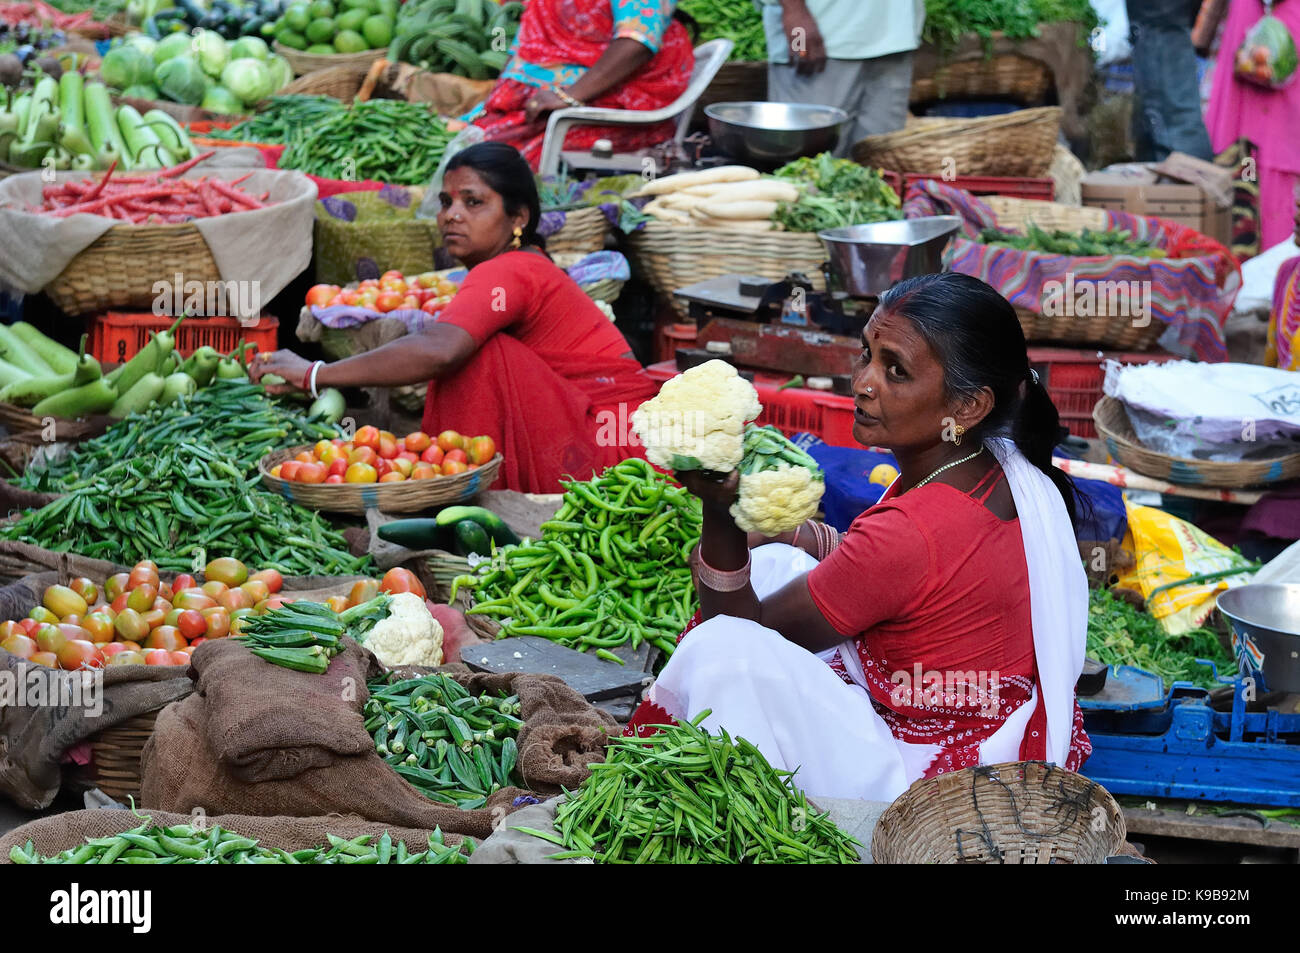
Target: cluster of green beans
184, 844
282, 118
610, 569
385, 139
185, 502
238, 419
454, 747
684, 796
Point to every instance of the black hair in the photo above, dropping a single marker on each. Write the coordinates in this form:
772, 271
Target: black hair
685, 19
977, 337
507, 173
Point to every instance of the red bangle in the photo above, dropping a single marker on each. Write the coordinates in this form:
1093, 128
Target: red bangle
306, 378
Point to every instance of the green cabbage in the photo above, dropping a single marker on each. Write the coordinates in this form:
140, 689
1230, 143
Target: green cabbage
250, 80
212, 50
218, 99
281, 73
141, 91
126, 66
182, 80
173, 44
250, 47
142, 42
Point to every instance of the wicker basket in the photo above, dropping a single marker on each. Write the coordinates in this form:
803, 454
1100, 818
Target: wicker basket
583, 232
303, 63
407, 496
383, 236
115, 757
673, 256
340, 82
606, 290
1005, 76
1022, 812
1017, 213
1020, 143
25, 427
1121, 443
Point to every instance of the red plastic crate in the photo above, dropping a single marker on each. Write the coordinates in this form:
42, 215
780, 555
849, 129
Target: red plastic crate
1019, 188
1074, 378
793, 410
118, 337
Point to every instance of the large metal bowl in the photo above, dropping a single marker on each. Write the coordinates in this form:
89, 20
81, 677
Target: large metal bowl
1269, 615
767, 135
867, 259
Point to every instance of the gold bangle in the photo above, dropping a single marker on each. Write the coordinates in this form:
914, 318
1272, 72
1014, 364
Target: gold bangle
570, 100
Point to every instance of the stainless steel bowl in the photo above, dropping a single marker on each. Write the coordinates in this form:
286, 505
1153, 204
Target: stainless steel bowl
1269, 615
767, 135
866, 259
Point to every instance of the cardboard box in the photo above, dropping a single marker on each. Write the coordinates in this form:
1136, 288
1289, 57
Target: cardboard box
1197, 202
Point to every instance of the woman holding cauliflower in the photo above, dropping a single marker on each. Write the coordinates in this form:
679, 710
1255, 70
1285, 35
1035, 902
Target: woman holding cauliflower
946, 628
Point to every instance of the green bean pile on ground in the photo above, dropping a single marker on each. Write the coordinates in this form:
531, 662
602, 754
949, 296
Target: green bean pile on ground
610, 568
684, 796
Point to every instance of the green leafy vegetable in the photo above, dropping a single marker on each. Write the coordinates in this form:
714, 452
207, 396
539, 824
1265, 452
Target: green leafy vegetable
836, 193
947, 21
1120, 634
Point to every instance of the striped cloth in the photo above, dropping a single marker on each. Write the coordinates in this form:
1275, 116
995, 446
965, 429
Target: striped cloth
1191, 291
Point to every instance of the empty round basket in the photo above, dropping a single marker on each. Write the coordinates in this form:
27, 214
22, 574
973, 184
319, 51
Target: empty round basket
1022, 812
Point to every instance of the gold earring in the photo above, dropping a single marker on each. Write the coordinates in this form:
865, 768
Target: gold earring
957, 432
519, 234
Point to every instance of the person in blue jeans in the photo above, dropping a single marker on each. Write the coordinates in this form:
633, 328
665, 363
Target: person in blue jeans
1167, 111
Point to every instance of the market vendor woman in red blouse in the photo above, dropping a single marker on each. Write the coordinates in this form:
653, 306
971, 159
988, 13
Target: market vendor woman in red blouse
946, 628
520, 354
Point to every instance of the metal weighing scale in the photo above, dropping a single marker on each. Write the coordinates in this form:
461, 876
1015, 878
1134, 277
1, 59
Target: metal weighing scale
791, 327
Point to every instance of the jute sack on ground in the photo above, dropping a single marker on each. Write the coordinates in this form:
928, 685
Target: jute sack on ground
181, 770
51, 835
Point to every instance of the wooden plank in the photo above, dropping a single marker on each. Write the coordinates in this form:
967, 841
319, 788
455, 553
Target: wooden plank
1230, 830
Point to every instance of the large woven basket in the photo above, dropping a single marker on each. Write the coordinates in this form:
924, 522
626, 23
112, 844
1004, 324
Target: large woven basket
1116, 430
26, 427
115, 753
1118, 331
407, 496
583, 232
1016, 144
673, 256
303, 63
382, 237
1022, 812
1005, 76
340, 82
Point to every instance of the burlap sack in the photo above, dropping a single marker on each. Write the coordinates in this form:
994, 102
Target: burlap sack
562, 734
266, 722
51, 835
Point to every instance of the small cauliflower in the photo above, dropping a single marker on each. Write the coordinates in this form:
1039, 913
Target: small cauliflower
776, 501
697, 421
410, 635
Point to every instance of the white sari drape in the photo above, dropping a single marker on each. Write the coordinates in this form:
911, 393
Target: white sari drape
801, 715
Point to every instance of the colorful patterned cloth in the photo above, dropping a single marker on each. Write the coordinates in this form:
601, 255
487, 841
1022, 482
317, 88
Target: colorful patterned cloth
559, 40
1284, 322
1191, 290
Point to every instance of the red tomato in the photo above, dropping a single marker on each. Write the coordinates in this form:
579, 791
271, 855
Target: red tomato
119, 603
165, 591
289, 470
158, 657
233, 599
79, 654
450, 440
425, 471
409, 456
367, 436
115, 585
392, 476
20, 645
432, 454
218, 620
191, 624
29, 626
165, 637
452, 467
48, 659
334, 478
383, 468
112, 648
100, 627
195, 599
432, 306
181, 658
143, 575
338, 467
481, 450
162, 604
417, 442
153, 618
274, 581
184, 581
142, 597
392, 274
197, 642
388, 301
313, 473
456, 456
398, 579
363, 590
318, 295
85, 588
257, 590
363, 455
388, 448
361, 473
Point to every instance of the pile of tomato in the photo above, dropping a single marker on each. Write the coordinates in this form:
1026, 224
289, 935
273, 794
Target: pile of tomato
378, 456
392, 291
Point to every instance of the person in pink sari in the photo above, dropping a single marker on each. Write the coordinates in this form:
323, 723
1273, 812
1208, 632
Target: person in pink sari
1269, 118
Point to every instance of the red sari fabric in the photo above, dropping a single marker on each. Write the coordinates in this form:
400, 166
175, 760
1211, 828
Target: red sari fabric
550, 381
577, 32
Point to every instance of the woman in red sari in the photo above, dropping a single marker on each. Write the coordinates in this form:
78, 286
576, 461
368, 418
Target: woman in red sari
616, 54
520, 354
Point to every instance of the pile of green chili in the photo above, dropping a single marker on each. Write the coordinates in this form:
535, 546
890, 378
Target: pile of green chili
387, 139
610, 568
684, 796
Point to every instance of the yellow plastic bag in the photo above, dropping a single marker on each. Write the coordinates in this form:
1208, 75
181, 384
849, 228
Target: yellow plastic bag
1166, 549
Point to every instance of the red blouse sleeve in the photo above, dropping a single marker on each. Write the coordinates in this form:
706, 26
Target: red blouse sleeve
494, 295
877, 572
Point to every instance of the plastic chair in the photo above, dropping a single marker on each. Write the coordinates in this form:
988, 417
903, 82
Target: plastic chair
709, 58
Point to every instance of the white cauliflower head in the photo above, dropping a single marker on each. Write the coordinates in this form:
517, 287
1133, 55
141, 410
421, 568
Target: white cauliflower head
409, 636
777, 500
698, 418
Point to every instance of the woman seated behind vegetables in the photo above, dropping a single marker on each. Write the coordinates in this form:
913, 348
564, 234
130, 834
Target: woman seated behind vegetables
946, 628
616, 54
520, 353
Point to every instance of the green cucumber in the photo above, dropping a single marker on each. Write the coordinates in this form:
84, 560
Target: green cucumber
470, 537
62, 360
492, 524
141, 394
415, 533
20, 354
94, 398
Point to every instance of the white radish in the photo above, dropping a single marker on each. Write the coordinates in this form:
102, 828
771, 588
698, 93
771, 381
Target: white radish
743, 210
767, 190
672, 183
665, 214
739, 225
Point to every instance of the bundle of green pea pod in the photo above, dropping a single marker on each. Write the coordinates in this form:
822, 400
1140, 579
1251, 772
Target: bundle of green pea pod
184, 844
452, 746
237, 419
611, 568
389, 140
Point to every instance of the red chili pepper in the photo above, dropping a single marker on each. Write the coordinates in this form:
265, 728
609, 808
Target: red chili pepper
186, 165
236, 196
102, 182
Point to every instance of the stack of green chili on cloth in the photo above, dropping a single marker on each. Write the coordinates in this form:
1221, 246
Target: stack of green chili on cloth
611, 567
385, 139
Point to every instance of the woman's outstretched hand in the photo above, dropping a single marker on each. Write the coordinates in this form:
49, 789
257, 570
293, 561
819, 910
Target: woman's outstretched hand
717, 490
283, 363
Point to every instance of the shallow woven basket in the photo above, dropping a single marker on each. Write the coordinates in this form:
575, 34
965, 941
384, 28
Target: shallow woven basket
115, 757
673, 256
1022, 812
583, 232
1114, 427
1113, 331
118, 270
1015, 144
26, 427
341, 82
303, 63
1005, 76
407, 496
606, 290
